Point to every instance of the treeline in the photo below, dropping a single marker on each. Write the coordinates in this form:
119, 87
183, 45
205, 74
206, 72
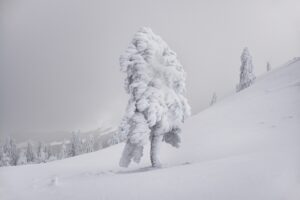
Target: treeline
32, 153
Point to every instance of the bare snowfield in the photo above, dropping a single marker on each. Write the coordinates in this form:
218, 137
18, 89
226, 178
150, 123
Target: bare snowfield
243, 147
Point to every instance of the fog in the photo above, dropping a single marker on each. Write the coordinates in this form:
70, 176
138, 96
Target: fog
59, 68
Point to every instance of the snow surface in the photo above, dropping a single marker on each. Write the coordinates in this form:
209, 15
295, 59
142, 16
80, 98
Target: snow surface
244, 147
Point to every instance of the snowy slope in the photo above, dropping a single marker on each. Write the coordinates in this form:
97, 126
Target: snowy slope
245, 147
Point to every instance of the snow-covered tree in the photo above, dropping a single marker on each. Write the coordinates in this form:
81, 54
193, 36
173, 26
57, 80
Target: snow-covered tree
247, 76
4, 159
269, 68
22, 158
1, 154
63, 151
10, 152
114, 139
213, 99
76, 145
155, 82
41, 153
118, 136
30, 154
48, 152
89, 144
50, 155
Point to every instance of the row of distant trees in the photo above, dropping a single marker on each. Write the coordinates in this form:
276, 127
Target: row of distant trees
247, 76
11, 155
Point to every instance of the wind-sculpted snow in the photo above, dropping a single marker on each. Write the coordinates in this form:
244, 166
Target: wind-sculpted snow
244, 147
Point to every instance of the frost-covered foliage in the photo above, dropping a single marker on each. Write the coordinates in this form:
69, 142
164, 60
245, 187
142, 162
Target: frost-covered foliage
1, 154
269, 68
155, 82
213, 99
50, 155
76, 145
42, 154
22, 158
247, 76
4, 159
114, 139
30, 154
89, 144
10, 154
63, 151
120, 135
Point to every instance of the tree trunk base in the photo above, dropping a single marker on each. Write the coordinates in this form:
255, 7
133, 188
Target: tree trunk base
155, 144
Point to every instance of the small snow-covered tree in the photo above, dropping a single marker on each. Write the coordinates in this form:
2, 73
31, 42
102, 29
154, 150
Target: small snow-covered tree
75, 145
213, 99
118, 136
10, 151
4, 159
1, 154
63, 151
22, 158
155, 82
269, 68
48, 152
30, 154
41, 153
50, 155
114, 139
89, 144
247, 76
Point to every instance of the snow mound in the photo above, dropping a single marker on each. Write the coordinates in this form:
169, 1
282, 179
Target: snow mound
244, 147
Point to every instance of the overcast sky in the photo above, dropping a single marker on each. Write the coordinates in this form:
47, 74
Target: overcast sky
59, 68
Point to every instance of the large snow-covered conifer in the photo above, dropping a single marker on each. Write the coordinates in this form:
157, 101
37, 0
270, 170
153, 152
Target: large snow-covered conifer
155, 82
247, 76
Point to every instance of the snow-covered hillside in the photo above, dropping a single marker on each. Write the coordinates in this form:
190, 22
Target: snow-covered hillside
244, 147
